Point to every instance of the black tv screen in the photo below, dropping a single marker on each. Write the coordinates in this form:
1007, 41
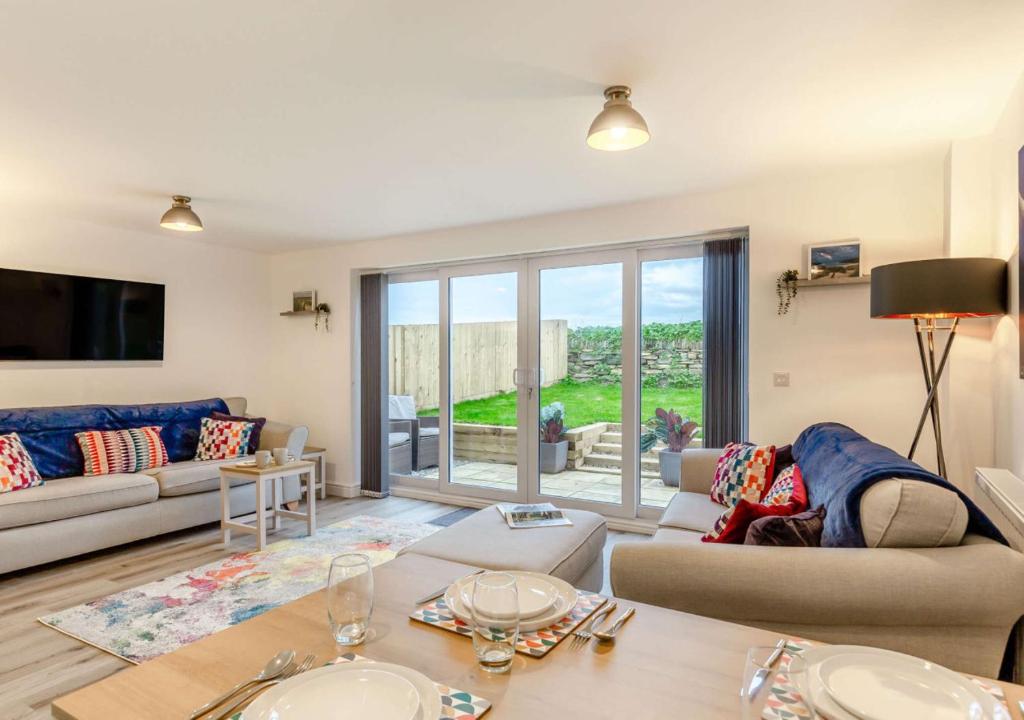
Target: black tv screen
44, 316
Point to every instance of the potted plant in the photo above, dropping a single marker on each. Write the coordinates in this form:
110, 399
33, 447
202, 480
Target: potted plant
676, 433
554, 452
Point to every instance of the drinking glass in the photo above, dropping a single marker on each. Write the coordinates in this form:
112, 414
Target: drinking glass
350, 598
791, 666
495, 614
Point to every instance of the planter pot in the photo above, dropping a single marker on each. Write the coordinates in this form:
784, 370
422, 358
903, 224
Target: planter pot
554, 456
669, 463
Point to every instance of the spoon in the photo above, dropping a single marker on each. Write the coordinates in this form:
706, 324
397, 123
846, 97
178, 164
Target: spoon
609, 634
275, 667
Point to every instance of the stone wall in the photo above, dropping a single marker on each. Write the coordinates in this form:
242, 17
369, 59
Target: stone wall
662, 363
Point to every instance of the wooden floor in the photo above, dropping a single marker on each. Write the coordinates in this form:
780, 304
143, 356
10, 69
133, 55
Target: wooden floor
38, 664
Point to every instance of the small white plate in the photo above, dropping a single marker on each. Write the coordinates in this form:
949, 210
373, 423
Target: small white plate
358, 689
900, 686
536, 595
564, 602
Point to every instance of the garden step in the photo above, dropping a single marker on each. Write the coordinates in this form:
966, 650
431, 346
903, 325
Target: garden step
613, 427
615, 461
611, 437
607, 448
644, 474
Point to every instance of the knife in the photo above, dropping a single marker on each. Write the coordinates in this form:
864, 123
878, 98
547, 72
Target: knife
762, 673
435, 595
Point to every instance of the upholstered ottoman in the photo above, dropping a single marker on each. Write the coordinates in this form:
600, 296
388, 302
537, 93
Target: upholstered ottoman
573, 553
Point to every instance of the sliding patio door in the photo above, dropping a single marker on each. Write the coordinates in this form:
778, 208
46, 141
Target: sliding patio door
484, 381
541, 378
582, 341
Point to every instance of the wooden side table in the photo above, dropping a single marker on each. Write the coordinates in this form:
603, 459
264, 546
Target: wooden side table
319, 456
275, 474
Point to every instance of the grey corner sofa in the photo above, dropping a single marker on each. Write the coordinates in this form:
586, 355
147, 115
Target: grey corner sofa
922, 587
70, 516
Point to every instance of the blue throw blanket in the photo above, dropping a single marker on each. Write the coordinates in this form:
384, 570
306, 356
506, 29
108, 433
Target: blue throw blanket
49, 432
839, 465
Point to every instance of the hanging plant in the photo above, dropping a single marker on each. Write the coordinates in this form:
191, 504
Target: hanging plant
323, 309
785, 289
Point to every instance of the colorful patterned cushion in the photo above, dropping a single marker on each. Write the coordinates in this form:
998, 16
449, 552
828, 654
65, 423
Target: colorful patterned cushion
787, 496
223, 439
17, 471
121, 451
257, 427
743, 473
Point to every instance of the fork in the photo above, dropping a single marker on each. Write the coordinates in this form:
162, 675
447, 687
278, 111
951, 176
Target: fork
581, 635
248, 697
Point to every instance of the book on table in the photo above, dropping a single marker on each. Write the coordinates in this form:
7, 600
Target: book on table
520, 517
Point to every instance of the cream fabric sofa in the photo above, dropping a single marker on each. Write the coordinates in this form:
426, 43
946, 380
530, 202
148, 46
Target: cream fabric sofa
74, 515
954, 604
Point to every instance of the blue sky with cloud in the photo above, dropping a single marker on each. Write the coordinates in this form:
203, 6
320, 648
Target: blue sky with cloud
672, 291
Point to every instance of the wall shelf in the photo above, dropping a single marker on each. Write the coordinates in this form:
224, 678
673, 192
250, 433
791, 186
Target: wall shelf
863, 280
298, 312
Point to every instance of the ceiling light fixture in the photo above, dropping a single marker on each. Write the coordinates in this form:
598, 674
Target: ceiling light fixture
180, 216
618, 126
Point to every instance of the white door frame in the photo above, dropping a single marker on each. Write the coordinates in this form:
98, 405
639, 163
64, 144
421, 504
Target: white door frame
446, 485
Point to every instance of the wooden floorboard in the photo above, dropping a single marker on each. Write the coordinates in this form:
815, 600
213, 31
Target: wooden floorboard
38, 664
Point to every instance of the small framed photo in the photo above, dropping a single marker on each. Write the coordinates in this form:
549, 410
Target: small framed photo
834, 261
303, 301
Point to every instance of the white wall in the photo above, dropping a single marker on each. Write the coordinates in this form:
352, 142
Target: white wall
218, 313
1008, 395
844, 366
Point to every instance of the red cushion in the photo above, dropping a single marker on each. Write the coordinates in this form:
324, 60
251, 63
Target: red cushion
787, 496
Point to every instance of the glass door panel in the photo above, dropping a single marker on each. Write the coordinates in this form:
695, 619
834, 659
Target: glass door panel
671, 367
413, 378
579, 385
481, 397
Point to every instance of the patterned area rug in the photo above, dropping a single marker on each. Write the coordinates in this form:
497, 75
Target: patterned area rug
153, 619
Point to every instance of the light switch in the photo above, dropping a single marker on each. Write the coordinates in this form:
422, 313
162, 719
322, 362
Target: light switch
780, 379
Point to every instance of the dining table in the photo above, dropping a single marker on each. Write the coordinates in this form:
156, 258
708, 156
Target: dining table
664, 664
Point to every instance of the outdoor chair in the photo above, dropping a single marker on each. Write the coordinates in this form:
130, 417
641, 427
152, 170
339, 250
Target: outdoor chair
423, 431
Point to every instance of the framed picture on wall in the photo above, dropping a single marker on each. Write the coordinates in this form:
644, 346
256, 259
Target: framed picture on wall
834, 260
304, 301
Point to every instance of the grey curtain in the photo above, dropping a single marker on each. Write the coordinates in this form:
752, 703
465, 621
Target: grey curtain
373, 323
726, 266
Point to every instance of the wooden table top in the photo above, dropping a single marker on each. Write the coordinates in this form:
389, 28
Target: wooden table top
292, 466
665, 663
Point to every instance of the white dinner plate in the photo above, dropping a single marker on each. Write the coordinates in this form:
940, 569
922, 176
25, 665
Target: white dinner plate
565, 600
536, 595
875, 684
356, 689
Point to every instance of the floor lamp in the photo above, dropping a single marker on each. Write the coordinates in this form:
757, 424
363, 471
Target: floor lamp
936, 295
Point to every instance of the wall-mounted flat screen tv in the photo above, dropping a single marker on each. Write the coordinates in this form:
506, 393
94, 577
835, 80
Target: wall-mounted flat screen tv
44, 316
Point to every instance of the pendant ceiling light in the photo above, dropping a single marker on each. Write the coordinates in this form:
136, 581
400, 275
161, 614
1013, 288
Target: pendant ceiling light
181, 217
618, 126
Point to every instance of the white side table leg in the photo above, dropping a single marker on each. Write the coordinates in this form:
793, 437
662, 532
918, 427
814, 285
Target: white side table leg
321, 475
311, 501
275, 501
225, 509
261, 513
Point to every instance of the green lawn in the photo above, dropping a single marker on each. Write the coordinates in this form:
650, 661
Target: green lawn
585, 403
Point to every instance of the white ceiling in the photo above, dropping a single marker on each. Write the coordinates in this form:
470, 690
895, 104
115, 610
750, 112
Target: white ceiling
296, 123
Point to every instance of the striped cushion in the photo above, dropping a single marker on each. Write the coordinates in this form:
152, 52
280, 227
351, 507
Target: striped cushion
121, 451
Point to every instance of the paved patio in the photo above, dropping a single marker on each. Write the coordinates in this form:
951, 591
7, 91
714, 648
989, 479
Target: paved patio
577, 484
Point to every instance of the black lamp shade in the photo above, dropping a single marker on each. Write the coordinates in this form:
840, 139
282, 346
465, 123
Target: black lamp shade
941, 288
